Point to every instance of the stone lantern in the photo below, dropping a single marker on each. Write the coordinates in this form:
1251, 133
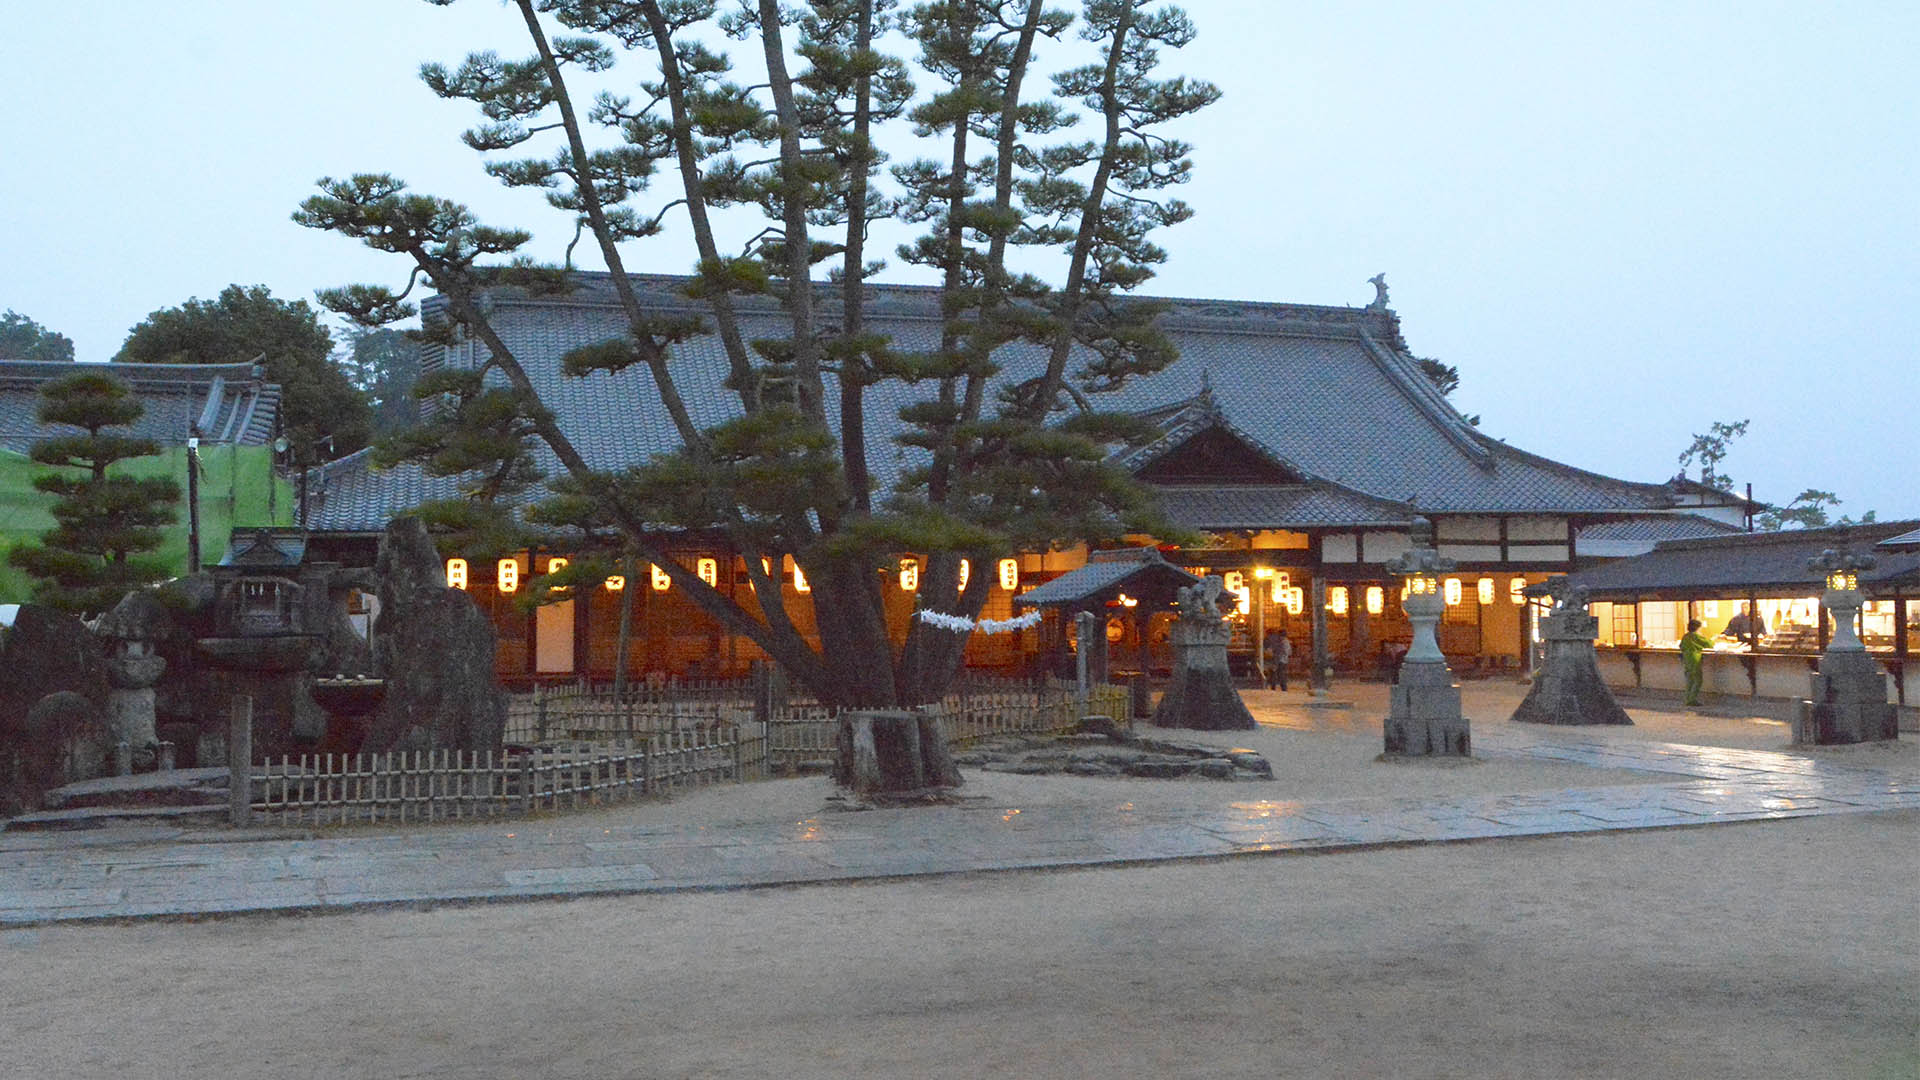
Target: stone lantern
1424, 715
1848, 702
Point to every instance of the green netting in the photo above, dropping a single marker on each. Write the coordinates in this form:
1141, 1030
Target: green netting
237, 487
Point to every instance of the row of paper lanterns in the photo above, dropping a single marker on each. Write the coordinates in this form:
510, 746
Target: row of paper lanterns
507, 574
1282, 591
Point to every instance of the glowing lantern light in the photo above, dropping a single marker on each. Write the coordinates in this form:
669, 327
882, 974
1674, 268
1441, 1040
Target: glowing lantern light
709, 570
1244, 603
1517, 590
508, 575
1376, 599
1296, 600
1128, 601
1235, 581
1453, 591
457, 574
1009, 574
1485, 588
800, 580
966, 571
1337, 600
1263, 572
615, 583
554, 565
661, 582
909, 574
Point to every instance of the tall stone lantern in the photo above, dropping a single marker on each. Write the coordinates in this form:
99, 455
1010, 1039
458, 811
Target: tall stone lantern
1848, 702
1423, 718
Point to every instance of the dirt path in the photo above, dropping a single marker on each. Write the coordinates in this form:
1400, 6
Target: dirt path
1787, 948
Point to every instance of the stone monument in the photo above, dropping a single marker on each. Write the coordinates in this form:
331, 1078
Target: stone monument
1424, 718
132, 632
1201, 695
435, 649
1848, 703
1568, 688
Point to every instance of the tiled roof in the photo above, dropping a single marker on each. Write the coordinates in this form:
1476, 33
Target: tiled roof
1657, 527
1124, 570
1276, 507
227, 400
1764, 563
1330, 392
1905, 539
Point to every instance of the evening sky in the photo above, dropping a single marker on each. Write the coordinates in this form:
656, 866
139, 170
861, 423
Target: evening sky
1620, 221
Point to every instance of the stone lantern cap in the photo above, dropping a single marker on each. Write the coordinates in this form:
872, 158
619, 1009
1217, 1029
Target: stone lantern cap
1422, 557
1839, 558
137, 617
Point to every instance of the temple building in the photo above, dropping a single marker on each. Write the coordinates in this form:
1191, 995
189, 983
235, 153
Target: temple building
1299, 440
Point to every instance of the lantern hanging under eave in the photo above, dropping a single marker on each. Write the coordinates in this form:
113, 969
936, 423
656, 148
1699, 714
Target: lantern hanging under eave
1454, 592
1244, 600
800, 580
1376, 599
1517, 590
457, 574
909, 574
1235, 581
1296, 600
966, 571
507, 575
1485, 589
1009, 574
661, 582
615, 583
1337, 600
708, 569
555, 565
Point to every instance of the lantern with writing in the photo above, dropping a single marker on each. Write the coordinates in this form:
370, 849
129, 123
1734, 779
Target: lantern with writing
661, 582
1009, 574
456, 573
507, 575
708, 570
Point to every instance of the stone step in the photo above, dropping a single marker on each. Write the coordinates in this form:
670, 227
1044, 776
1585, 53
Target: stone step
100, 817
178, 787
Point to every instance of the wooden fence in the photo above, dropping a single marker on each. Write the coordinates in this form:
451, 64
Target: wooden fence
446, 785
592, 756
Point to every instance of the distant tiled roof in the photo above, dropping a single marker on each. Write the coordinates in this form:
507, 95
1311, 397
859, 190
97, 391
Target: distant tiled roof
1329, 392
1905, 539
1276, 507
229, 402
1772, 563
1123, 570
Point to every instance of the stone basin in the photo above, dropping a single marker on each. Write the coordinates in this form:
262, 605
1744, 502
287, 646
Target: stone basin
283, 652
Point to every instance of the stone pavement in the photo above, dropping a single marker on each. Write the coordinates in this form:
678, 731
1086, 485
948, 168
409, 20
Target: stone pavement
162, 872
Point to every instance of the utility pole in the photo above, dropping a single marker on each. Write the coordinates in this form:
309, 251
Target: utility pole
193, 499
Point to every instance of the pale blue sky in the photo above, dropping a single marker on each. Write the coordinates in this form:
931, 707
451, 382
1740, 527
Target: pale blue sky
1621, 221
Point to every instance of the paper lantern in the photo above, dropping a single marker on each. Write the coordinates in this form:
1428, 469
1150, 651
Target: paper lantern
1337, 599
1009, 574
1485, 589
661, 582
800, 580
1376, 599
456, 574
909, 574
1517, 590
615, 583
1453, 591
708, 569
966, 571
507, 575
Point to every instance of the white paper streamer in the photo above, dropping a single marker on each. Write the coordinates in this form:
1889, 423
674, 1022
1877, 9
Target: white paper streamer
960, 624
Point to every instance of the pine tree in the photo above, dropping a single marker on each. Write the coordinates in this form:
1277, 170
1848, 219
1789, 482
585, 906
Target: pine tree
107, 521
1003, 465
23, 339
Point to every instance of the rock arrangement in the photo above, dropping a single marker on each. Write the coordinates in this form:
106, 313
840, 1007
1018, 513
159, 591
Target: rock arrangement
1107, 751
1201, 696
1568, 688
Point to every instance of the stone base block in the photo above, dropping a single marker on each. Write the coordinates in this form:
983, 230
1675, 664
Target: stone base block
1203, 700
1408, 737
1423, 718
1821, 723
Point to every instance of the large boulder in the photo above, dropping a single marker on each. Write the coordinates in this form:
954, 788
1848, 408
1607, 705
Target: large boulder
47, 651
436, 651
62, 740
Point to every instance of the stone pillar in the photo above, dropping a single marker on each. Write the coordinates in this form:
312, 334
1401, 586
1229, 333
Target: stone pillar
240, 761
1567, 688
1322, 658
131, 674
1423, 718
1848, 700
1201, 695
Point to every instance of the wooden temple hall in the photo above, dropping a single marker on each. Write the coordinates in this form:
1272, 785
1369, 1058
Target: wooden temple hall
1299, 440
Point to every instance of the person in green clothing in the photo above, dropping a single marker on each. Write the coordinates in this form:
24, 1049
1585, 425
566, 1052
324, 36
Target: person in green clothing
1691, 647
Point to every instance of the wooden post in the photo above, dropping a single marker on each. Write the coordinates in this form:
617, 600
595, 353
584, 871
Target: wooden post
1322, 659
240, 760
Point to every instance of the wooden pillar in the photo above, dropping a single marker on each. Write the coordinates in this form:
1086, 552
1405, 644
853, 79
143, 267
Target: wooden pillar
1317, 678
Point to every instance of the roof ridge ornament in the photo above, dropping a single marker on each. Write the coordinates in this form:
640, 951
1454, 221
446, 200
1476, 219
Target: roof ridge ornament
1379, 283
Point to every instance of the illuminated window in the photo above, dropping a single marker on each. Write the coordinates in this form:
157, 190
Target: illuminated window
709, 570
1485, 589
456, 573
661, 582
1337, 600
909, 574
1453, 591
508, 575
1376, 599
966, 571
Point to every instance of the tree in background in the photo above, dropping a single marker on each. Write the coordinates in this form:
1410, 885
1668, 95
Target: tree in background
383, 363
1710, 450
997, 463
1808, 510
23, 339
106, 522
317, 402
